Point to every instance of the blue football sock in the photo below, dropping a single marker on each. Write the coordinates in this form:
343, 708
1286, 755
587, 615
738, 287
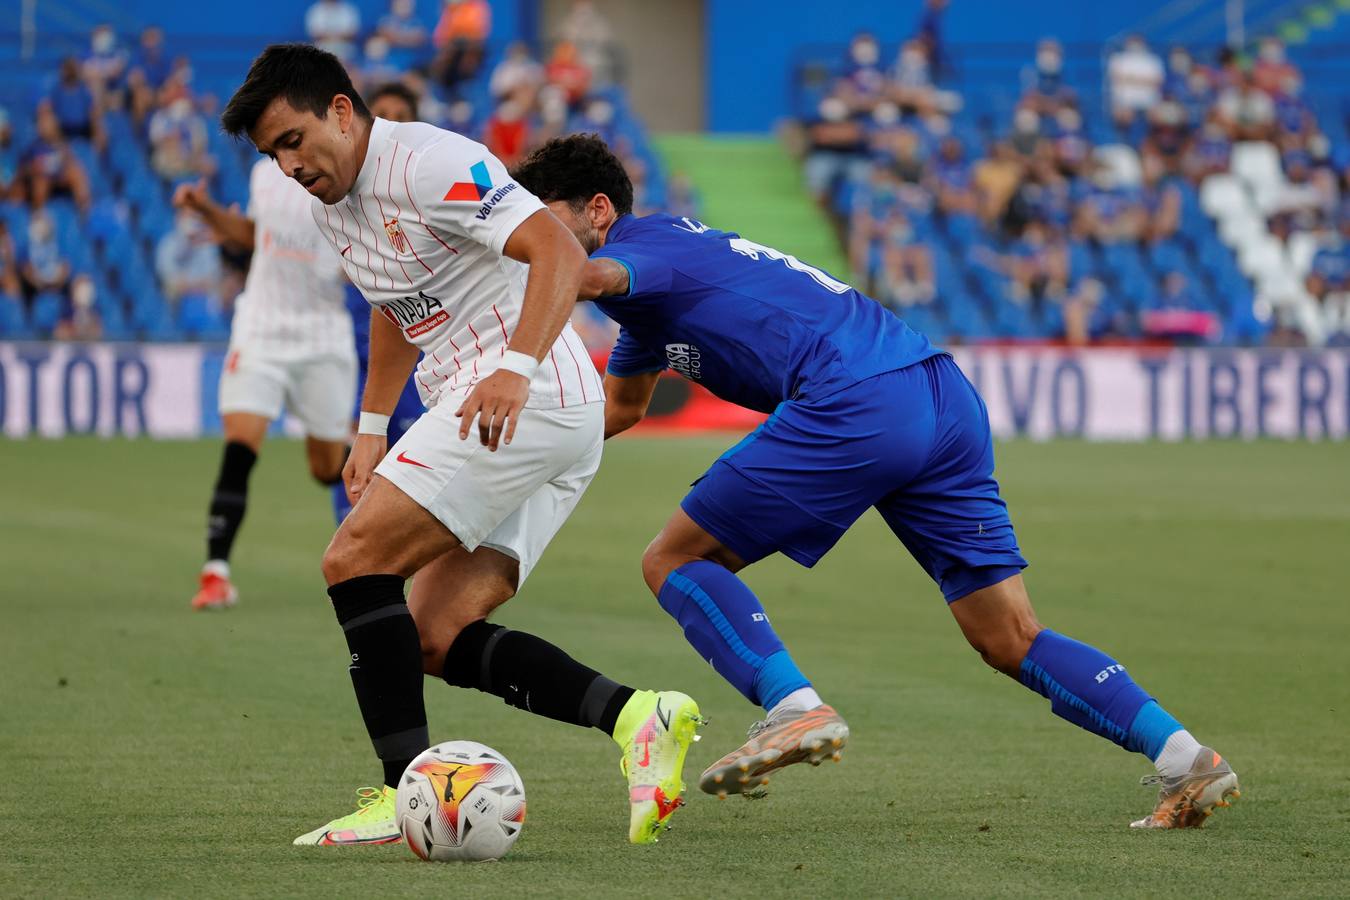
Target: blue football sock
1094, 692
341, 505
725, 623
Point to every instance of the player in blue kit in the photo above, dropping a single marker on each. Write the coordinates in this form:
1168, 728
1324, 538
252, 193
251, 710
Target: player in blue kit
864, 412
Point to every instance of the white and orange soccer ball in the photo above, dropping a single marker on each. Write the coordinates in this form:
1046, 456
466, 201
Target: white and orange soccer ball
460, 801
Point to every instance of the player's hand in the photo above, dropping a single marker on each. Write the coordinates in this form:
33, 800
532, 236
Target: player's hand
191, 195
496, 402
367, 451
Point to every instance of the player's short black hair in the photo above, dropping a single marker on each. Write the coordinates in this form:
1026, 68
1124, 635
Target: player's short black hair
309, 79
576, 168
396, 89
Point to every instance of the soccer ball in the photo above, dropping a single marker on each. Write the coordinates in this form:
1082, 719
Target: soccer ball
460, 801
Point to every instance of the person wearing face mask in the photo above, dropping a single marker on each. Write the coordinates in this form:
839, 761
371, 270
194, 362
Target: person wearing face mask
105, 66
404, 33
863, 80
44, 268
1272, 72
178, 136
377, 66
80, 321
1135, 75
1046, 91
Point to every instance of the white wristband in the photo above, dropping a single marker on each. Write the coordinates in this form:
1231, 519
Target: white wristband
520, 363
372, 423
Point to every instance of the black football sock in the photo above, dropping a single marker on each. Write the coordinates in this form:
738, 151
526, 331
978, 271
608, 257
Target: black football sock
531, 674
386, 667
228, 500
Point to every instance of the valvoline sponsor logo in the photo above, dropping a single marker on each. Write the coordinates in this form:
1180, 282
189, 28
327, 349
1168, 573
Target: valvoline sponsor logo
415, 315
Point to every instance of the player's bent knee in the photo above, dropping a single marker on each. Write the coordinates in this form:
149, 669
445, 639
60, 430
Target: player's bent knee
1004, 647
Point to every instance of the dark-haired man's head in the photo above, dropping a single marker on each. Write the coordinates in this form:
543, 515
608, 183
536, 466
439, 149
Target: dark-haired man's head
394, 101
582, 182
298, 106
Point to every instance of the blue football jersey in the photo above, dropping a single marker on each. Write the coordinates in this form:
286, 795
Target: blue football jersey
753, 325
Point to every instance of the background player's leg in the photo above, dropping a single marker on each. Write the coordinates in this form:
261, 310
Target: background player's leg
325, 459
693, 577
1083, 684
244, 433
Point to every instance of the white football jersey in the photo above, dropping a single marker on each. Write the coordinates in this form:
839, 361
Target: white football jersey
293, 302
421, 234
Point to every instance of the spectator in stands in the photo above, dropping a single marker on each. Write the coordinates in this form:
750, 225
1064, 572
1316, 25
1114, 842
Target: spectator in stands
953, 184
997, 177
912, 86
929, 33
566, 71
519, 76
1209, 151
863, 84
1135, 75
48, 168
44, 268
77, 112
9, 158
80, 320
375, 66
403, 32
1273, 74
1299, 195
1177, 313
585, 28
1081, 309
105, 67
333, 26
461, 41
186, 260
836, 152
1026, 136
1108, 214
10, 284
178, 137
1163, 150
1195, 94
150, 68
1045, 90
1162, 207
1038, 264
507, 132
1070, 147
1329, 283
1247, 112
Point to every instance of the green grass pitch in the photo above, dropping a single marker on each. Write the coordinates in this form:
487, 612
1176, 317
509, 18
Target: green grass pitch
149, 751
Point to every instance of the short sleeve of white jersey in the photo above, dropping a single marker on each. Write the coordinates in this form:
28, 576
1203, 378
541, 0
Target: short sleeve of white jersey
463, 189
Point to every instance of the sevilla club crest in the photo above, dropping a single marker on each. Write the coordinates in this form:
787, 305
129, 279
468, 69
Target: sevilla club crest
396, 235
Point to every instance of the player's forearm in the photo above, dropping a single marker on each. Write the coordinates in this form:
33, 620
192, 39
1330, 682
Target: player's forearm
228, 226
391, 361
627, 400
603, 278
550, 293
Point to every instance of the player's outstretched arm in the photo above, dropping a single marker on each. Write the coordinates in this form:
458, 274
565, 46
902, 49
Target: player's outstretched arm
228, 225
626, 400
603, 278
555, 259
391, 362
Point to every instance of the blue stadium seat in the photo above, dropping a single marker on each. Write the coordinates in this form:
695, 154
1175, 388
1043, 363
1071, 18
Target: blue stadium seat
199, 316
46, 312
13, 319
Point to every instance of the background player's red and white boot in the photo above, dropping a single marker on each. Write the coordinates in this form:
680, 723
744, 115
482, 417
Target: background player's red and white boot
215, 590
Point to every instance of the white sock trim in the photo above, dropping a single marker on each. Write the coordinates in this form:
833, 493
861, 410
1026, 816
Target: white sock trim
217, 567
1177, 754
802, 699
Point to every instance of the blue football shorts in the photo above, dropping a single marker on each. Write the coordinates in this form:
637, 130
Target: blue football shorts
914, 443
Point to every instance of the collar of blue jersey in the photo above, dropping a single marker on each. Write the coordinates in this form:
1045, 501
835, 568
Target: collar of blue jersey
621, 224
379, 137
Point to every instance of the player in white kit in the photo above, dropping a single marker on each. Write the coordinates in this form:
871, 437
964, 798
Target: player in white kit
460, 262
290, 345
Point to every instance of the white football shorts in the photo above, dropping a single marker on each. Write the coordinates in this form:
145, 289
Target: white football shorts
319, 391
514, 500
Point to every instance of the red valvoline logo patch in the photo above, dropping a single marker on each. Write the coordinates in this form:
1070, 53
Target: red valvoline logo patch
396, 236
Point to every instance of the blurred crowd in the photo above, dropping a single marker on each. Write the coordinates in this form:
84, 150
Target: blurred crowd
89, 242
1076, 214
